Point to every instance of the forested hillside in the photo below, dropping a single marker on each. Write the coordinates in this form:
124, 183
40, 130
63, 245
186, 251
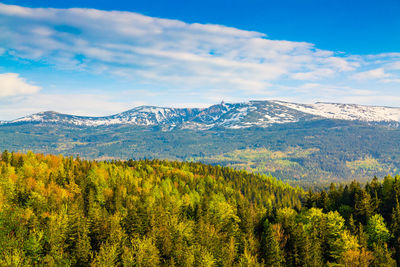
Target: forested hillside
371, 212
304, 153
61, 211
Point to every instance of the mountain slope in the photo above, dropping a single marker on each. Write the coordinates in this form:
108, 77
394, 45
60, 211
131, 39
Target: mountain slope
61, 211
303, 152
145, 115
226, 115
298, 143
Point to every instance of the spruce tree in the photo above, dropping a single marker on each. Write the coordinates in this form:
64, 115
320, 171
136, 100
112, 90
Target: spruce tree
273, 255
395, 229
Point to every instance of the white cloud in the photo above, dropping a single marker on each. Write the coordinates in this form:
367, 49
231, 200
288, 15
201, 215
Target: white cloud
154, 50
391, 80
77, 104
394, 65
375, 100
11, 84
317, 92
313, 75
216, 61
378, 73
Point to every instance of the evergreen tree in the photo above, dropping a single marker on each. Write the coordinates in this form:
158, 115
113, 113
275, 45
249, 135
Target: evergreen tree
363, 206
395, 229
352, 225
272, 253
377, 231
5, 156
382, 256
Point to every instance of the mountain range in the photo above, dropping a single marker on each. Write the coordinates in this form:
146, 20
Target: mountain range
300, 143
226, 115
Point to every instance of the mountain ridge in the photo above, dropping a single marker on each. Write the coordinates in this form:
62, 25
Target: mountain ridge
255, 113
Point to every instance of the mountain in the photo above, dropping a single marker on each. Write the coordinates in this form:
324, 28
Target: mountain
304, 144
225, 115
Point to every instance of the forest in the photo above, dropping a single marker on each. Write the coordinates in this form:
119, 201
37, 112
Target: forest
65, 211
311, 153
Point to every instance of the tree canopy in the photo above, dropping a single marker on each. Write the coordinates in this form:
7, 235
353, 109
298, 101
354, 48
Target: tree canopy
57, 210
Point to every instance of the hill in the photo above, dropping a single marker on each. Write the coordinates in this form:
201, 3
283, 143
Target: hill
57, 210
304, 153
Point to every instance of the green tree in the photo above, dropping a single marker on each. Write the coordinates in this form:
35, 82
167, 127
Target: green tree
5, 156
272, 253
377, 230
382, 256
395, 229
363, 206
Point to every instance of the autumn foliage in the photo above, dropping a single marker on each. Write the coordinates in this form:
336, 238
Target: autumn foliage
64, 211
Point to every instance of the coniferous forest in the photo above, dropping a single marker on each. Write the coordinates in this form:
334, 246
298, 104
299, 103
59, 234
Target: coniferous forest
64, 211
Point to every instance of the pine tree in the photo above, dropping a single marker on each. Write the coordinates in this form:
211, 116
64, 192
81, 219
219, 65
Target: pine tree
272, 253
5, 156
323, 201
352, 226
363, 206
77, 240
315, 251
382, 256
377, 230
362, 236
395, 229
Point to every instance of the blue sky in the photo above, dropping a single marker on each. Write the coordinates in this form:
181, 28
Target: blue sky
102, 57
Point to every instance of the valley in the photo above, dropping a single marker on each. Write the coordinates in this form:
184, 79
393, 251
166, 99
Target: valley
300, 148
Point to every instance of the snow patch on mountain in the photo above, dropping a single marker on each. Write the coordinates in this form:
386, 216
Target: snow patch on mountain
347, 111
226, 115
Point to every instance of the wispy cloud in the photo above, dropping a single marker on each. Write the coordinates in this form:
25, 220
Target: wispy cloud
218, 60
378, 73
162, 50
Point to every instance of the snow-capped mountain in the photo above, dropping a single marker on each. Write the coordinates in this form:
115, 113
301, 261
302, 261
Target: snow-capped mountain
144, 116
227, 115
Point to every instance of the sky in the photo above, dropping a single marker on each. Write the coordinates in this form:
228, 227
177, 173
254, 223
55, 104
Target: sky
103, 57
